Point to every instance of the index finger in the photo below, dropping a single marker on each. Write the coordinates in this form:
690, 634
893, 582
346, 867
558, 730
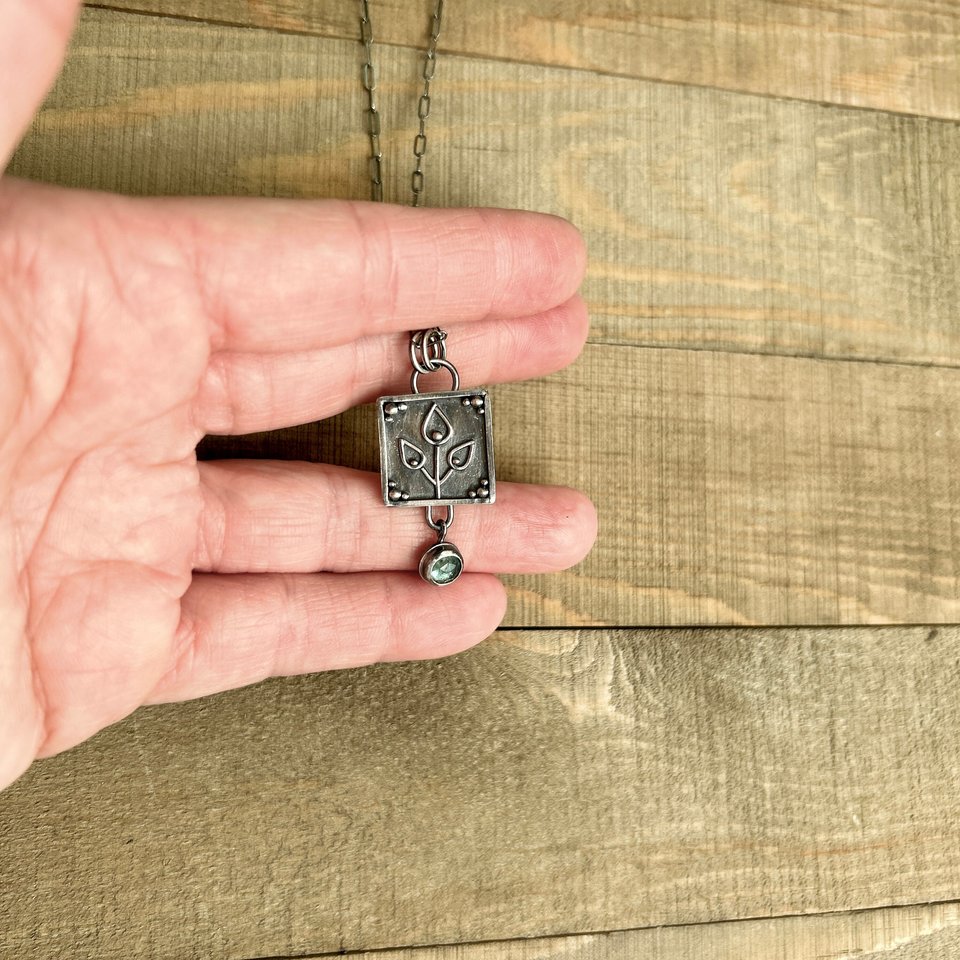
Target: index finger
281, 275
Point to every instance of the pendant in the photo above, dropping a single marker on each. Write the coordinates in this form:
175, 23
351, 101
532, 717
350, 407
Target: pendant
436, 451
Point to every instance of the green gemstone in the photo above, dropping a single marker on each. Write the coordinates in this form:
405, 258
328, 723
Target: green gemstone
445, 569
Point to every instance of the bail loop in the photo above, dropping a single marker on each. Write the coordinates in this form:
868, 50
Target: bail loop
440, 527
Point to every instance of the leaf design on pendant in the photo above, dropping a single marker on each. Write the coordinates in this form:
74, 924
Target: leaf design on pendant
411, 455
436, 428
461, 455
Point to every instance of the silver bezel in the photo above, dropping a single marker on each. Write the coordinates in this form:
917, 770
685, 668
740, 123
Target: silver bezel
437, 552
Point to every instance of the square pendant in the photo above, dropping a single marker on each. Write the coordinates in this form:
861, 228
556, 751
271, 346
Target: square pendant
436, 449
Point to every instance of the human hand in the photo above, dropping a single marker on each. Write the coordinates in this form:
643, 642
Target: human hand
129, 328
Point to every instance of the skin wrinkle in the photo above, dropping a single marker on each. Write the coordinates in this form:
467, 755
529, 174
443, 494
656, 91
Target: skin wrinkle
70, 380
337, 494
193, 241
34, 625
188, 463
396, 624
16, 362
286, 635
28, 565
391, 285
490, 288
332, 495
212, 409
362, 306
497, 280
196, 428
84, 319
200, 247
186, 641
51, 714
105, 248
290, 636
24, 274
212, 537
384, 351
40, 695
358, 629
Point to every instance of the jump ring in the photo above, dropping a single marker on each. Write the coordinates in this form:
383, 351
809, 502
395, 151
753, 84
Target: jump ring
427, 349
446, 364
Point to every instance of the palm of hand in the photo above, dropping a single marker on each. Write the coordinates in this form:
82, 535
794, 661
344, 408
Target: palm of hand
104, 486
129, 328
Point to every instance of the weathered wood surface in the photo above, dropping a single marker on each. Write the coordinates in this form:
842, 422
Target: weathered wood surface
901, 55
714, 221
904, 933
731, 489
543, 783
560, 782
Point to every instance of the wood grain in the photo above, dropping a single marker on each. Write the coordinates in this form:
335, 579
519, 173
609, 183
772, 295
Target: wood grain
901, 55
731, 489
543, 783
745, 250
714, 221
904, 933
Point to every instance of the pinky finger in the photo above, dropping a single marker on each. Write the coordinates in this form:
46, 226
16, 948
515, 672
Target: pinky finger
240, 629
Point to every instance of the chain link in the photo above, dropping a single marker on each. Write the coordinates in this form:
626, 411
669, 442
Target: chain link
372, 112
428, 349
423, 107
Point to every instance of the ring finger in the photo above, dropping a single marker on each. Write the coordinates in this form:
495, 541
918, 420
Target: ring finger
263, 516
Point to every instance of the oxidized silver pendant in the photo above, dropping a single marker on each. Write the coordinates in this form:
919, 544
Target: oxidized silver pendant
436, 450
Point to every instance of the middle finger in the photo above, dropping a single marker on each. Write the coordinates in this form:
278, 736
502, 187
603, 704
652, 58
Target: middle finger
247, 392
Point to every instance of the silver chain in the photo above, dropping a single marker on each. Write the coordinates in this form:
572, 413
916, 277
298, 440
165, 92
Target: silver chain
373, 111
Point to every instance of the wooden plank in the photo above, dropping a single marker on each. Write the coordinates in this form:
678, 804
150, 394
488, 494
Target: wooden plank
731, 489
901, 933
901, 55
543, 783
715, 221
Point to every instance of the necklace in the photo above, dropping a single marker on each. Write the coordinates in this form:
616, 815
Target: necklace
436, 449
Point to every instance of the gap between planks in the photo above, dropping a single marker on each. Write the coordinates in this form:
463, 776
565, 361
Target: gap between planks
742, 352
745, 84
936, 918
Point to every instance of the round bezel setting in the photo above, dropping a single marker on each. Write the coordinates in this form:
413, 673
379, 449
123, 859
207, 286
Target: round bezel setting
442, 564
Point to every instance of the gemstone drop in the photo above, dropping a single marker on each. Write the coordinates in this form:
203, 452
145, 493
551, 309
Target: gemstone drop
445, 570
441, 564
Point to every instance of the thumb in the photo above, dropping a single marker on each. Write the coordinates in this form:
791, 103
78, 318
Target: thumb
33, 40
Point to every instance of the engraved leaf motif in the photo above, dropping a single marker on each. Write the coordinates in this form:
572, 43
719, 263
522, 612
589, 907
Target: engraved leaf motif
461, 455
436, 428
411, 455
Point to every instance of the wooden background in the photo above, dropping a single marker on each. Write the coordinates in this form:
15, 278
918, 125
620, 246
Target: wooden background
732, 732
